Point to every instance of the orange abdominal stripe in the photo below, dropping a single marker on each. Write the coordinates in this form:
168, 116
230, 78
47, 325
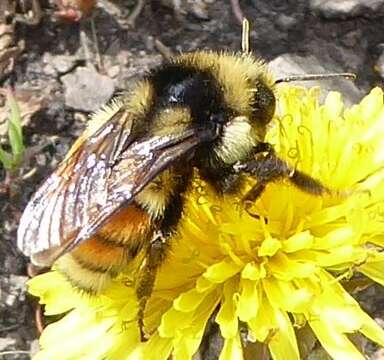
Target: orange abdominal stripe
127, 223
97, 254
116, 242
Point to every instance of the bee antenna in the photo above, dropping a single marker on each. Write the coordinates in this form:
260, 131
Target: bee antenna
245, 37
349, 76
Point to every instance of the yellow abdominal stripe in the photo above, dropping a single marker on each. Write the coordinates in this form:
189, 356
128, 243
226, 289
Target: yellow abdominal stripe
86, 279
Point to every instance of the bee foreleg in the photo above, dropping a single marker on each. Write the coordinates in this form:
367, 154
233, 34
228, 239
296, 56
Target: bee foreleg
268, 167
307, 183
155, 254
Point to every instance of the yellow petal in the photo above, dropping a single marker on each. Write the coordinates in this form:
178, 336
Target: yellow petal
347, 254
81, 335
269, 247
342, 236
187, 342
374, 268
253, 271
372, 103
174, 321
157, 348
221, 271
277, 291
127, 343
302, 240
203, 284
335, 343
227, 317
188, 301
333, 105
326, 215
345, 318
283, 344
372, 330
50, 287
185, 347
264, 323
282, 267
232, 349
248, 302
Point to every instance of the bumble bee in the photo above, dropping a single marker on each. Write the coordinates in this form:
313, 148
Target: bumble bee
121, 188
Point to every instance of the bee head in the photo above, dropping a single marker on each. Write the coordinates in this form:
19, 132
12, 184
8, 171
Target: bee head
229, 97
243, 106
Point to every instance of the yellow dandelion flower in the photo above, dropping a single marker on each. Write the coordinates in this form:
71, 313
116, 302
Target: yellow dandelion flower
273, 268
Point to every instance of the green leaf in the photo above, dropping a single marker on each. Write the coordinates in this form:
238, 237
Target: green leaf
6, 159
15, 132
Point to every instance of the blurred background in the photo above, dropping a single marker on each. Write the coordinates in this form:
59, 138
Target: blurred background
62, 59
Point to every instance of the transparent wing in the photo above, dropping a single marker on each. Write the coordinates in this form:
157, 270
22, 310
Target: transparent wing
103, 174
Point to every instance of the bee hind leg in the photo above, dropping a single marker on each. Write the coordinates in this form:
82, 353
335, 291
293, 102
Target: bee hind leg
155, 254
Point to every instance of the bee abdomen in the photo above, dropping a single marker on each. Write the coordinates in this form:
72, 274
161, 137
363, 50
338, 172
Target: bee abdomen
101, 255
82, 277
92, 264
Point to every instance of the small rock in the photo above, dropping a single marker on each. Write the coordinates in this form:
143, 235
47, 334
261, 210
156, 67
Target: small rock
150, 43
41, 160
318, 354
63, 63
80, 117
352, 38
7, 342
286, 22
58, 63
13, 262
199, 10
114, 48
343, 9
380, 322
49, 70
113, 71
10, 300
18, 282
290, 64
378, 355
86, 89
13, 290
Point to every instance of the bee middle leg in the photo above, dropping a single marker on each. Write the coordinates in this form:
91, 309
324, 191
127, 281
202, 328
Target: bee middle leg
267, 167
155, 254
